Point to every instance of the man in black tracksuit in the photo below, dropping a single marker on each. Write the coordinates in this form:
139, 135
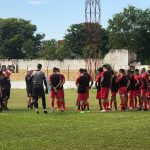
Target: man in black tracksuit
38, 88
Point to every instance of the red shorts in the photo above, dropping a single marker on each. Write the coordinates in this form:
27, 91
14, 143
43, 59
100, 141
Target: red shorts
113, 94
143, 92
82, 96
104, 92
55, 94
137, 93
98, 96
87, 92
148, 94
131, 94
62, 93
123, 90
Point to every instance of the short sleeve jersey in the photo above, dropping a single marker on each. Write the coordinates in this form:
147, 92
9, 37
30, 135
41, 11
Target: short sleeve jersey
122, 81
144, 81
62, 77
82, 82
38, 77
55, 80
106, 79
114, 85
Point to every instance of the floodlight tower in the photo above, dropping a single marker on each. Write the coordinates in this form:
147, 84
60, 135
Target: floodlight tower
92, 33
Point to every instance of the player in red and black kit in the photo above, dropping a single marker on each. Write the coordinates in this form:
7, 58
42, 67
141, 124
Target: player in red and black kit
98, 87
89, 85
114, 90
62, 77
128, 78
122, 82
131, 90
55, 81
148, 88
105, 87
143, 89
137, 92
81, 83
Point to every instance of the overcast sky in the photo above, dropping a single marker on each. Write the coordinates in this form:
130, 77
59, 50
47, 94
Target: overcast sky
53, 17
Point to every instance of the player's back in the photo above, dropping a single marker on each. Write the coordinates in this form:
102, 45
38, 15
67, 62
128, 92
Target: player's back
123, 81
82, 82
106, 79
38, 77
114, 85
55, 79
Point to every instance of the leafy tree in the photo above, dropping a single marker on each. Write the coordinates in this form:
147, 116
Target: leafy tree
130, 29
49, 49
53, 50
18, 39
76, 40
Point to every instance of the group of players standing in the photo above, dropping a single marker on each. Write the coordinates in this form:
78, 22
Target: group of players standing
133, 88
35, 90
5, 87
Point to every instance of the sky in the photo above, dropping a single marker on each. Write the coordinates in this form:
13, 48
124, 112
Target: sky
53, 17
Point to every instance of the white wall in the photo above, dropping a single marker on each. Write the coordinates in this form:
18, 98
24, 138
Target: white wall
117, 58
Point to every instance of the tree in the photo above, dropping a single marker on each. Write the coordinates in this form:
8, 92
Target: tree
75, 41
130, 30
53, 50
18, 39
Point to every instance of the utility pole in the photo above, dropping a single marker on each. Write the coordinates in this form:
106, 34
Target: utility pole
92, 34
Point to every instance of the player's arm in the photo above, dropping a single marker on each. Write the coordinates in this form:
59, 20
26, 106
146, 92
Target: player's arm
77, 82
97, 80
91, 81
128, 83
58, 85
63, 81
119, 78
45, 83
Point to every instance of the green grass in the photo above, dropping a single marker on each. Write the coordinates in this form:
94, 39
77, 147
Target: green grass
22, 129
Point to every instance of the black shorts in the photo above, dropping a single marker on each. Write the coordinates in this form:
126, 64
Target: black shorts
38, 91
29, 92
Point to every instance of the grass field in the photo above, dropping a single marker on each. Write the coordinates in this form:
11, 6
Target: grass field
22, 129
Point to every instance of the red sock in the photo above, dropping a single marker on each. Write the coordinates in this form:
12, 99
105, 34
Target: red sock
87, 105
63, 104
58, 105
105, 105
52, 103
100, 104
145, 104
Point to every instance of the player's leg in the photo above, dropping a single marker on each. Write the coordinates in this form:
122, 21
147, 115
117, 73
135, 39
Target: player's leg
104, 99
81, 100
111, 101
123, 102
63, 99
42, 95
98, 96
131, 101
115, 101
35, 98
87, 100
52, 100
143, 100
